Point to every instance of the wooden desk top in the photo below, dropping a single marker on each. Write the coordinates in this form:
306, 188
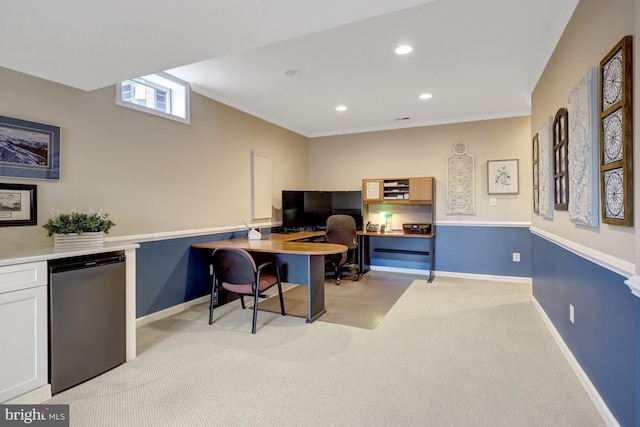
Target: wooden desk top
280, 244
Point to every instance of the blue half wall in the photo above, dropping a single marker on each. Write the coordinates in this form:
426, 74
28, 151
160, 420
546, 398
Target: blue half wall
470, 249
603, 335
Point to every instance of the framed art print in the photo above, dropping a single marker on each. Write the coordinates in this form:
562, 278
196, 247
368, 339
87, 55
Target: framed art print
616, 135
18, 204
29, 149
502, 176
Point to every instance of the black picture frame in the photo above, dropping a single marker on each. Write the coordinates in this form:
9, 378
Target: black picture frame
29, 149
18, 205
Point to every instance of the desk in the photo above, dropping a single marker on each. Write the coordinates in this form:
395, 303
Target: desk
363, 246
302, 262
363, 243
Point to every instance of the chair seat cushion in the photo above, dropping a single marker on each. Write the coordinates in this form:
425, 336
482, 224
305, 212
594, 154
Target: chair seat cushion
266, 281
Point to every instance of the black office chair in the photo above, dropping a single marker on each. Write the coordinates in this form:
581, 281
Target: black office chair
235, 270
341, 229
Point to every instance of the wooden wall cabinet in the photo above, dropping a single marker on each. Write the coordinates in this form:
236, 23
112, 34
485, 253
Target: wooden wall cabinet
398, 190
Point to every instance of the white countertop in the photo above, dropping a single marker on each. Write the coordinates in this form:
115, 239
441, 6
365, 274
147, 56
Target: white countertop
24, 254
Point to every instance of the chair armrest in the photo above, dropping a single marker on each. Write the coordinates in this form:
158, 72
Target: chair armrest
269, 264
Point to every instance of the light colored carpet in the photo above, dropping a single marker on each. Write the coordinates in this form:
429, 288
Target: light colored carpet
450, 353
362, 303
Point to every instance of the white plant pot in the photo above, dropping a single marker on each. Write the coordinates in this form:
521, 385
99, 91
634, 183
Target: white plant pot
84, 240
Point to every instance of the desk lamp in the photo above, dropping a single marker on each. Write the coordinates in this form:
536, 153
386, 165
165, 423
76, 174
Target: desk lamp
387, 219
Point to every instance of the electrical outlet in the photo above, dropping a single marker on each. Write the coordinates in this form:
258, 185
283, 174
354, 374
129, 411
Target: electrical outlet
493, 201
516, 257
571, 313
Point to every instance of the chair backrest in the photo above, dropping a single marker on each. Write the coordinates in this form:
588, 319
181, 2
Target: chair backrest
234, 265
341, 229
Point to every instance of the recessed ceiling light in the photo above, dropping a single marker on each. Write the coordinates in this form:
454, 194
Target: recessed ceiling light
341, 108
403, 49
425, 96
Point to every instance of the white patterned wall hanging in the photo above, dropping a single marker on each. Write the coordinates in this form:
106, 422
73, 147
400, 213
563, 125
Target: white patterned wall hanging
545, 170
583, 151
461, 172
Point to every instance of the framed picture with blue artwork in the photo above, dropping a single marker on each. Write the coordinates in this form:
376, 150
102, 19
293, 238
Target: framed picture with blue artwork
502, 176
29, 149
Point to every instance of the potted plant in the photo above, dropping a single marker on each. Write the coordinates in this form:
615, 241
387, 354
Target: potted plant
75, 228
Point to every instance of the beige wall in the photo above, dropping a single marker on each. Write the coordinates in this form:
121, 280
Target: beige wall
595, 27
151, 174
341, 162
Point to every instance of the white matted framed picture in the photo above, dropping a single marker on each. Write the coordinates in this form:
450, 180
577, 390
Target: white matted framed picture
502, 176
18, 204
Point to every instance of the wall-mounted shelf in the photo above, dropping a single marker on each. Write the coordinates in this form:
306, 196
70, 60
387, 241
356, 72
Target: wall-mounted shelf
398, 190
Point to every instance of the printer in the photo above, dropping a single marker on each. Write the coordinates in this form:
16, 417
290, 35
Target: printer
416, 228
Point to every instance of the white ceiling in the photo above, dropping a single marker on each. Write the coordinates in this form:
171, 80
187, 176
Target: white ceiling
479, 58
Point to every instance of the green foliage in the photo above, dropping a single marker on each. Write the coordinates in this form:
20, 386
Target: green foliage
74, 222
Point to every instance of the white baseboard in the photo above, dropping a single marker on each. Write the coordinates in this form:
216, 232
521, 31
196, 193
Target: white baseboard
510, 279
144, 320
493, 278
400, 270
34, 397
591, 390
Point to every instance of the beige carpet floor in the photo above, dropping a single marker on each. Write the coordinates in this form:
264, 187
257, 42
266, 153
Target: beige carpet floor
361, 304
452, 353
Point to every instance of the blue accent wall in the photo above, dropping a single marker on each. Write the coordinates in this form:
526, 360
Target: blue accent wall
170, 272
603, 336
462, 249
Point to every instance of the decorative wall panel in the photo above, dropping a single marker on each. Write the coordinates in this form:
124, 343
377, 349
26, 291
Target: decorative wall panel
616, 135
461, 172
545, 169
583, 150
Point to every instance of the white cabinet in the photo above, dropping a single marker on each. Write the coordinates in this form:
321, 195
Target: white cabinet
23, 333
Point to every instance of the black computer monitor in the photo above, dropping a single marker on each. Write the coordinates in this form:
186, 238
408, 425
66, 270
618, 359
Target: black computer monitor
310, 209
347, 203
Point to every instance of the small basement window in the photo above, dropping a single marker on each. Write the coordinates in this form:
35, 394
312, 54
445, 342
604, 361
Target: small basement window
160, 94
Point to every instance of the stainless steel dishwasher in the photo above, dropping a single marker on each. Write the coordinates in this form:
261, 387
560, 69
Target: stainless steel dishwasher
86, 318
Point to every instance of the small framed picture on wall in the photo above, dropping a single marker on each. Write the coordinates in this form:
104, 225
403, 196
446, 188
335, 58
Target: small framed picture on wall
18, 205
502, 176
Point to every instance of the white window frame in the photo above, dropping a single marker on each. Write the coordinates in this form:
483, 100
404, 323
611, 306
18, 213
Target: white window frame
178, 90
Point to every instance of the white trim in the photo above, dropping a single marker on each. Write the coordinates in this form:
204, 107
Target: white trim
400, 270
167, 312
510, 279
591, 390
485, 223
412, 124
617, 265
187, 233
633, 283
36, 396
491, 277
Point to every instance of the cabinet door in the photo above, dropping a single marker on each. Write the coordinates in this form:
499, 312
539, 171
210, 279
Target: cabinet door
421, 189
372, 190
23, 332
